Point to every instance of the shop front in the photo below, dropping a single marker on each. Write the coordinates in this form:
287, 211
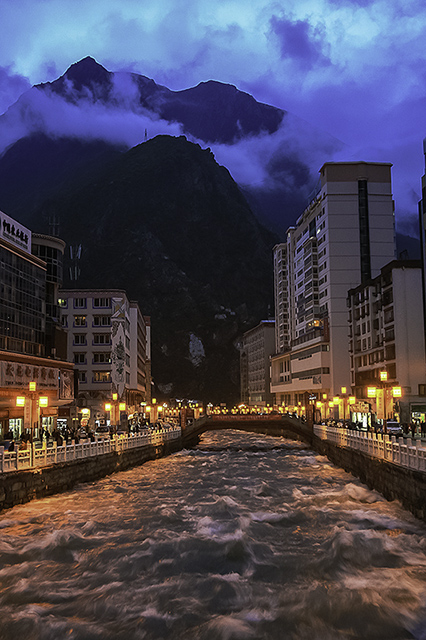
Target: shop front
31, 392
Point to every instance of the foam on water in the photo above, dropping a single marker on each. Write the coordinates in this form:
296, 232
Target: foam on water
244, 537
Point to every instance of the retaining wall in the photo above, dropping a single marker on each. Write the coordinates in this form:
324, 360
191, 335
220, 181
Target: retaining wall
22, 486
391, 480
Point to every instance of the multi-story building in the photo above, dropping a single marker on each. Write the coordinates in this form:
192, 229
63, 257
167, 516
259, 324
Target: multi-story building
422, 225
387, 344
107, 342
51, 251
257, 347
148, 376
28, 345
344, 237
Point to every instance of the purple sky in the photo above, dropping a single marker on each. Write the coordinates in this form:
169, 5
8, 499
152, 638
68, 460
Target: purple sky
352, 69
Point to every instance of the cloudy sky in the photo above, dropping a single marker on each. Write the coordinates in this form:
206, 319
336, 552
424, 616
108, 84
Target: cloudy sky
354, 69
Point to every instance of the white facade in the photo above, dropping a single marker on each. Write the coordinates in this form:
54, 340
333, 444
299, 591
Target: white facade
387, 334
343, 238
107, 343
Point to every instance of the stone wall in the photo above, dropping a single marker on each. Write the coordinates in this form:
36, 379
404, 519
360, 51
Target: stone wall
391, 480
18, 487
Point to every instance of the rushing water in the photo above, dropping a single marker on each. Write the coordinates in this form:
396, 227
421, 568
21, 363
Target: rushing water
244, 537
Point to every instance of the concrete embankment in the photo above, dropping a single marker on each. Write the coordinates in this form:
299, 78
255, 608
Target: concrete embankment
18, 487
393, 481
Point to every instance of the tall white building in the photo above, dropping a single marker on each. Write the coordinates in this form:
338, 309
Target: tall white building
343, 238
107, 343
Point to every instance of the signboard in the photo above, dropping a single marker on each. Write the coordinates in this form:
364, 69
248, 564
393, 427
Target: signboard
15, 232
66, 384
17, 376
118, 341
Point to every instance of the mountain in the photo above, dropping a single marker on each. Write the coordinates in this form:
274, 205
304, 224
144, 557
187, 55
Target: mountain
211, 111
273, 156
37, 167
169, 225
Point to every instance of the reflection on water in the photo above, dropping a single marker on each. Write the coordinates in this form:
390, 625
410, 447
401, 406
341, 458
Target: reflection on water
246, 536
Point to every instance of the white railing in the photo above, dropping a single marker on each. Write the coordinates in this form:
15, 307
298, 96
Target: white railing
34, 457
403, 451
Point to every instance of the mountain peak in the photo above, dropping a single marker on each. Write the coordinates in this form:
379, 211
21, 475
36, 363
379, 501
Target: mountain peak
87, 71
82, 77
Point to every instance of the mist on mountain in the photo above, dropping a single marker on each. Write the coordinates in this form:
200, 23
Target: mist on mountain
270, 153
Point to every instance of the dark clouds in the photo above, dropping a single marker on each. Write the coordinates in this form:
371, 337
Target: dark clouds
299, 41
351, 68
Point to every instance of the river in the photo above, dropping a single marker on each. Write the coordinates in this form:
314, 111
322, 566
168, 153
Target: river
244, 537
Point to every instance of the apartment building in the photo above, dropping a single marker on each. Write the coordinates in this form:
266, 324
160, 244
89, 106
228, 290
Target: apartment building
387, 344
35, 379
258, 345
107, 342
344, 237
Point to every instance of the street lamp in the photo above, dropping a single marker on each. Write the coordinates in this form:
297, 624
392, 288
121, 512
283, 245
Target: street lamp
343, 392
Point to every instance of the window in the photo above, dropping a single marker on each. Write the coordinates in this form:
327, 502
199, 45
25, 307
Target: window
79, 358
79, 303
101, 321
82, 376
101, 358
63, 303
389, 315
64, 321
101, 338
80, 321
102, 302
101, 376
79, 338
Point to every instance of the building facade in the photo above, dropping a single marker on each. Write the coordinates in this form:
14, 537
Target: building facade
344, 237
387, 345
108, 344
34, 381
257, 346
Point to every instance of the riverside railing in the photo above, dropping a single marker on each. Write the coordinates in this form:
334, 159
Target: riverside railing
403, 451
37, 457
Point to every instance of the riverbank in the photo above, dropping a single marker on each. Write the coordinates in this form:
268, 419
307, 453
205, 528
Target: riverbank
19, 487
393, 481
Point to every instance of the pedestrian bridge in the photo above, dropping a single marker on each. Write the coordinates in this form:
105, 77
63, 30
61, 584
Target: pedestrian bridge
268, 424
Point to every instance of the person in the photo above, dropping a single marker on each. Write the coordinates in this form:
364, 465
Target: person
11, 445
423, 428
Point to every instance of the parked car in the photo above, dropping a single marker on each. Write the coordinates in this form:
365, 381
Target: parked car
394, 428
102, 432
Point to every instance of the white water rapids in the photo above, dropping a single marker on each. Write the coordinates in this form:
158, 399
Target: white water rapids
244, 537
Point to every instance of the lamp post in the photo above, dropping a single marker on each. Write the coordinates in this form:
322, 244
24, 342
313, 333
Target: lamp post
42, 401
343, 392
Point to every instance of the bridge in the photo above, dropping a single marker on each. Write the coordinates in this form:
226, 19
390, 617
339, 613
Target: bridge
268, 424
